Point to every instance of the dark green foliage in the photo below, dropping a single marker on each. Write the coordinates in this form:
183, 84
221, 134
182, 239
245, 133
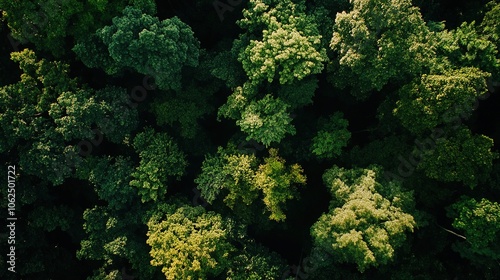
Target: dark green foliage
143, 43
281, 45
384, 152
331, 137
161, 159
266, 120
439, 99
459, 157
255, 262
288, 48
109, 184
479, 220
47, 24
378, 42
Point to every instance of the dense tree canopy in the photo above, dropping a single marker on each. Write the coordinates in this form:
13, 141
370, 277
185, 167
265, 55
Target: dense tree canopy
261, 139
245, 180
289, 47
46, 111
379, 41
439, 99
160, 158
474, 152
200, 240
48, 24
478, 220
144, 43
367, 221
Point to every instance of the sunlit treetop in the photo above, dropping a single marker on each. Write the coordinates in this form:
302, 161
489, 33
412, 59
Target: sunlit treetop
466, 46
368, 219
199, 240
281, 42
459, 156
491, 22
438, 99
241, 179
378, 42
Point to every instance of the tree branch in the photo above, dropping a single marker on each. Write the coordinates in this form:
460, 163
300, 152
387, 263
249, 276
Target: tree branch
452, 232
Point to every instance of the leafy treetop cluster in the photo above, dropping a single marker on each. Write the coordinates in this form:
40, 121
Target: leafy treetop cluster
354, 136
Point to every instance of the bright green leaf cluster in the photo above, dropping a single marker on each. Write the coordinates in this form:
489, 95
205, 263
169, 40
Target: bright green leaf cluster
367, 221
46, 113
255, 262
266, 120
299, 93
199, 240
491, 22
114, 237
288, 44
110, 177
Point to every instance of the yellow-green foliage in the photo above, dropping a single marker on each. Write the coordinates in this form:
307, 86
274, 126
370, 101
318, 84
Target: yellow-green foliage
287, 43
367, 221
189, 243
242, 180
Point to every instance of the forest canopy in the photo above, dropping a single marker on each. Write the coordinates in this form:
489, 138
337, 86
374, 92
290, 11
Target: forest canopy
259, 139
